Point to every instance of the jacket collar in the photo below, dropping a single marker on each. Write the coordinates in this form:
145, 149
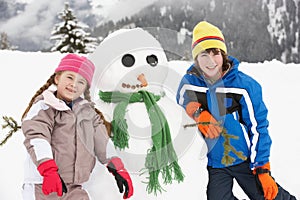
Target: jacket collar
51, 100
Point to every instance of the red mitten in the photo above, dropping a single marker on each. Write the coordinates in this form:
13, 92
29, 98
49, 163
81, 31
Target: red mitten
52, 181
116, 167
267, 182
208, 126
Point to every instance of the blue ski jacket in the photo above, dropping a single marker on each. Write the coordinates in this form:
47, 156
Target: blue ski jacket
236, 101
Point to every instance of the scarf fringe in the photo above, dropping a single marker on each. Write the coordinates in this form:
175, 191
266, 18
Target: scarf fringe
169, 173
119, 126
120, 135
167, 165
153, 185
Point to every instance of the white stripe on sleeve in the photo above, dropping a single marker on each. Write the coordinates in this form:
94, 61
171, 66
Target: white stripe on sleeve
34, 110
42, 148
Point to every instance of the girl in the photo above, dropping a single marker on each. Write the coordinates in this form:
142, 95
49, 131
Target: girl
63, 135
232, 117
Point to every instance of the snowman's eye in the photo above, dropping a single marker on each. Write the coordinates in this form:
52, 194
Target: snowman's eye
152, 60
128, 60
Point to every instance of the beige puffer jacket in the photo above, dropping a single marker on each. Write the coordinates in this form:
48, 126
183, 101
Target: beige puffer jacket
71, 137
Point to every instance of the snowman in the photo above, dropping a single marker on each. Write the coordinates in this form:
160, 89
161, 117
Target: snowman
135, 88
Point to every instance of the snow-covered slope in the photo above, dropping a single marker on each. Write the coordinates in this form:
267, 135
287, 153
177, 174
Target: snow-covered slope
22, 74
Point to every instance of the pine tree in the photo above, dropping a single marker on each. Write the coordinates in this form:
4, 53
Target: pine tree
70, 35
4, 43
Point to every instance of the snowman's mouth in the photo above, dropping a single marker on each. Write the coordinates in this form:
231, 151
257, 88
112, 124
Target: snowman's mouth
129, 86
140, 78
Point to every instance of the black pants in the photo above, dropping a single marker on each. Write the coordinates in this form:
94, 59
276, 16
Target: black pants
220, 184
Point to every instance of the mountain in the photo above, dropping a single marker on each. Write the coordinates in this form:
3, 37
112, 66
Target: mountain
10, 8
254, 30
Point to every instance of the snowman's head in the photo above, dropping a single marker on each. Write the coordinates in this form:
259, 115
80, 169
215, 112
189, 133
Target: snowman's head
129, 60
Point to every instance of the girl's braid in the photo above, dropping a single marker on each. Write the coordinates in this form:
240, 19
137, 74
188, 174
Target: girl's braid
107, 124
49, 82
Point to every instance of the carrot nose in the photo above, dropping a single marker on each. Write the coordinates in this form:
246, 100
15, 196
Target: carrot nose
142, 79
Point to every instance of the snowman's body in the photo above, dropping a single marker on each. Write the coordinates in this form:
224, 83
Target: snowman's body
112, 75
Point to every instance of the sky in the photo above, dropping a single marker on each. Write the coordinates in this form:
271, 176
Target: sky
23, 73
25, 1
111, 9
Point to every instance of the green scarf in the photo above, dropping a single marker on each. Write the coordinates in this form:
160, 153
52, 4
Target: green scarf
161, 158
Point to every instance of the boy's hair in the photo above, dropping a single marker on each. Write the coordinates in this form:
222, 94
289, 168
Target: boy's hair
87, 96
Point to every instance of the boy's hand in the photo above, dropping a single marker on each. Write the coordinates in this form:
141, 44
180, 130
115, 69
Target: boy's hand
266, 181
208, 126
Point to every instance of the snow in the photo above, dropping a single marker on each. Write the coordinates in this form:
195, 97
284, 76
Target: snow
22, 74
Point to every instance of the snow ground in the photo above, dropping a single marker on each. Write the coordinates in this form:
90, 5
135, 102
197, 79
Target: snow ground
22, 74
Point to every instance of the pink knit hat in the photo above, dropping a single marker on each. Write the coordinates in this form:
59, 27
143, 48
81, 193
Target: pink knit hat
78, 64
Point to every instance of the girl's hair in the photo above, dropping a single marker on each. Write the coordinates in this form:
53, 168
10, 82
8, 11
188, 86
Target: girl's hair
87, 96
49, 82
226, 62
107, 124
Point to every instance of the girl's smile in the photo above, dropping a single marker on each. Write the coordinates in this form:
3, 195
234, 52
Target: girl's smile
70, 85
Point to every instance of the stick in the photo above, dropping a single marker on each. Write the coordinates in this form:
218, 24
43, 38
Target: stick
13, 125
197, 123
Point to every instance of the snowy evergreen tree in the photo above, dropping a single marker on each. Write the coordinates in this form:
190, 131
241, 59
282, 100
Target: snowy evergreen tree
70, 35
4, 43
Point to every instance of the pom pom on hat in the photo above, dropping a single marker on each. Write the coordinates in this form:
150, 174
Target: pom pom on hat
78, 64
206, 36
